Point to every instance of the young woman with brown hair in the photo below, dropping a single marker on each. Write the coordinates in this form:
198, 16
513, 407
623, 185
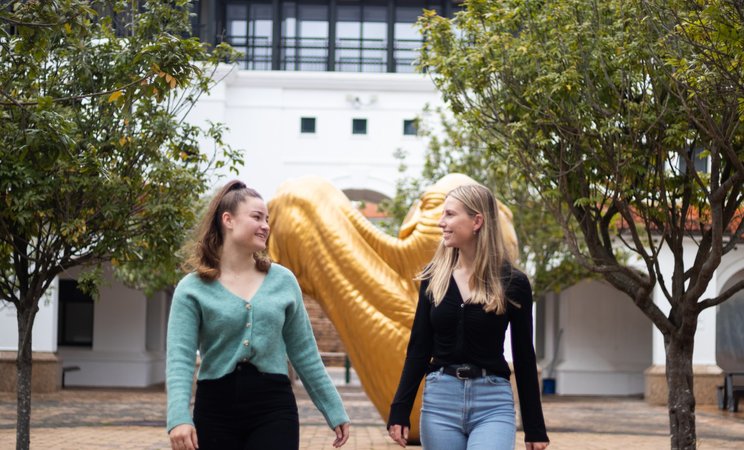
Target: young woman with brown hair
245, 315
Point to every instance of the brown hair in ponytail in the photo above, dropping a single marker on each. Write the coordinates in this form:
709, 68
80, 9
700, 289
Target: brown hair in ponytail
204, 254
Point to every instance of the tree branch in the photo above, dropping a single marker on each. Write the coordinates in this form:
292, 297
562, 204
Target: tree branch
8, 291
708, 302
19, 23
76, 97
13, 101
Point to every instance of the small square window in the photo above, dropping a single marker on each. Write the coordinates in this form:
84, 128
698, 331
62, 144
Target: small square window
307, 125
409, 127
359, 126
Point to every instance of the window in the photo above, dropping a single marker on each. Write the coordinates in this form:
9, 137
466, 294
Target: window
319, 35
359, 126
407, 37
700, 163
304, 36
361, 36
249, 29
195, 8
75, 321
409, 127
307, 125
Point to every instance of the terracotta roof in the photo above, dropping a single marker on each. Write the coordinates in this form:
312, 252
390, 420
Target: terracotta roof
694, 222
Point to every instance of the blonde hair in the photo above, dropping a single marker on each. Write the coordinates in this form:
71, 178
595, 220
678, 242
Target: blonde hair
204, 254
490, 253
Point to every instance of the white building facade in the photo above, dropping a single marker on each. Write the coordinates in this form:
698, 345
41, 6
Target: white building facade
327, 88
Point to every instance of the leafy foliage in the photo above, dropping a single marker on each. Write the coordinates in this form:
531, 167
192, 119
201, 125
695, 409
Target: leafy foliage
97, 160
606, 107
579, 95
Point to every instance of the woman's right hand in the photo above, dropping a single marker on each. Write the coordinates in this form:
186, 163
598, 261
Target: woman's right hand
399, 434
183, 437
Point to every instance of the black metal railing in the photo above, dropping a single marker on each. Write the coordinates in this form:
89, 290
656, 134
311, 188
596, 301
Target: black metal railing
303, 54
256, 51
312, 54
361, 55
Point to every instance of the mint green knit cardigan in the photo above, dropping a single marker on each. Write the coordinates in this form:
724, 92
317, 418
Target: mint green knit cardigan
227, 329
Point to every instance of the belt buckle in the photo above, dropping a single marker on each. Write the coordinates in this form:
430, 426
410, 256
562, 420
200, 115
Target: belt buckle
461, 369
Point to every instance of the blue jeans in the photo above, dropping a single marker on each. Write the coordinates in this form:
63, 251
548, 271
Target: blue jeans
475, 414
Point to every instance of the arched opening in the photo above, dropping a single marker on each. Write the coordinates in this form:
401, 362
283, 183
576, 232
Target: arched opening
368, 203
729, 332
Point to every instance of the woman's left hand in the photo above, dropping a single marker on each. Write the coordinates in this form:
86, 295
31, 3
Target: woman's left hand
342, 434
536, 445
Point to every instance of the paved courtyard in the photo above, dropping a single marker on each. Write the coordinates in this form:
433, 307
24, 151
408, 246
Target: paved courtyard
87, 419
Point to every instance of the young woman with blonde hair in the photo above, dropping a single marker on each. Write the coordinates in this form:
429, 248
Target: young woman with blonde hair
469, 294
245, 315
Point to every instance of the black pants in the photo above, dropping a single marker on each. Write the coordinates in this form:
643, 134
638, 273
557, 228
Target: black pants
246, 410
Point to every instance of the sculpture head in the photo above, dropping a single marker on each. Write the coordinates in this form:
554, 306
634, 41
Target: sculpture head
425, 213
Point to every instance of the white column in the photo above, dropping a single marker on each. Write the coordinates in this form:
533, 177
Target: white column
706, 372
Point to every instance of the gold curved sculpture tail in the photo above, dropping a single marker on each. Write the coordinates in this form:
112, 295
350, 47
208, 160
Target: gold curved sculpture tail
363, 278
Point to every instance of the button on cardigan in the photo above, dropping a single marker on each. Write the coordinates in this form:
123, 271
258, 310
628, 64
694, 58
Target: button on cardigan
263, 330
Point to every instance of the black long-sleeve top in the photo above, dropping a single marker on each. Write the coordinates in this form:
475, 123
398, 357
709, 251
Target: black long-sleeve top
455, 332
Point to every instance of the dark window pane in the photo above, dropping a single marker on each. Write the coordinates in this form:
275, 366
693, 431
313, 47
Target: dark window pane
237, 22
375, 13
195, 15
75, 319
307, 125
409, 128
409, 13
457, 7
436, 6
359, 126
348, 11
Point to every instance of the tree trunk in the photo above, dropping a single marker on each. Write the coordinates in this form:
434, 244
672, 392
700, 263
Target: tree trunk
23, 377
681, 396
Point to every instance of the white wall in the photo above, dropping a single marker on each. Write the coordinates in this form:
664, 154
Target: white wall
705, 336
44, 336
605, 343
263, 109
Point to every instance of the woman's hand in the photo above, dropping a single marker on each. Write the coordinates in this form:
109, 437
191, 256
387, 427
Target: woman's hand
342, 434
536, 445
399, 434
183, 437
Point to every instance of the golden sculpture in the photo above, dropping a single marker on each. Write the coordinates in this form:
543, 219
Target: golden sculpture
363, 278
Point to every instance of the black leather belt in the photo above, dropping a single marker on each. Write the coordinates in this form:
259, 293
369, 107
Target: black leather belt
466, 371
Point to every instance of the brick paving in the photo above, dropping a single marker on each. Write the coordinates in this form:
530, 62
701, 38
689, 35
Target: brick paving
88, 419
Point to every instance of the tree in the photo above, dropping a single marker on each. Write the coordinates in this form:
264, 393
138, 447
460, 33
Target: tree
96, 160
606, 107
